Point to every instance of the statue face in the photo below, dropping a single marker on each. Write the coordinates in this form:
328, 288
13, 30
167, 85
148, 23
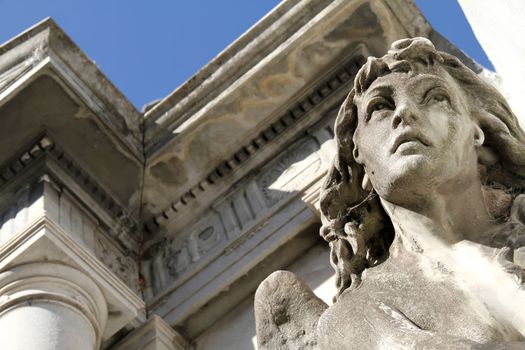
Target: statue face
414, 134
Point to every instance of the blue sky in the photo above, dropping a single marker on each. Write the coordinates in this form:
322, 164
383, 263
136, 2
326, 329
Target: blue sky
148, 48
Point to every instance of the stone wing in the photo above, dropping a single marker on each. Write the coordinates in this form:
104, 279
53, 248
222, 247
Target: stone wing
286, 313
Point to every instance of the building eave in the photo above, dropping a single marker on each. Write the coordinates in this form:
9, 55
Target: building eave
237, 99
45, 46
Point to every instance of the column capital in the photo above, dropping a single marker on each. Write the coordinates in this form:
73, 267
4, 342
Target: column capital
43, 241
54, 285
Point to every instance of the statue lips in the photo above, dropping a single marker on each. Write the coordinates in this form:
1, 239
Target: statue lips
409, 136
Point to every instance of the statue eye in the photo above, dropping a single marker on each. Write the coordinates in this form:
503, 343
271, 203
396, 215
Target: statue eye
439, 98
436, 95
379, 105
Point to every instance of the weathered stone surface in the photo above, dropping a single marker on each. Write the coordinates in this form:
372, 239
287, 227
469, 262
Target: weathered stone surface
286, 319
236, 329
48, 85
225, 174
154, 334
193, 131
422, 214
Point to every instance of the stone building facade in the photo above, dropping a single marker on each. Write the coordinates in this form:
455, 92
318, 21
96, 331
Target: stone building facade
123, 229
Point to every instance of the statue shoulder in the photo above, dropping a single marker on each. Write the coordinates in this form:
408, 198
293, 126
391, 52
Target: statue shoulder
286, 313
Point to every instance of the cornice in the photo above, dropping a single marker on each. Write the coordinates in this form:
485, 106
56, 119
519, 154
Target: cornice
321, 93
293, 39
42, 156
237, 59
293, 45
209, 137
273, 36
45, 47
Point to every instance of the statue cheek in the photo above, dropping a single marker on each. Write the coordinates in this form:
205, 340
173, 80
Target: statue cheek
441, 128
369, 142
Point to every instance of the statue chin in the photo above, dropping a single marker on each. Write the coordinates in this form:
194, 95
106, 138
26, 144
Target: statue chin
407, 180
434, 258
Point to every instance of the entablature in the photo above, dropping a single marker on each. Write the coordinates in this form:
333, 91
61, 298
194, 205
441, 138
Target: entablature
47, 85
75, 192
315, 105
47, 45
255, 219
212, 127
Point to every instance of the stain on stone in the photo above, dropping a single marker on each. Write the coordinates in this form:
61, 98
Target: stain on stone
170, 171
362, 24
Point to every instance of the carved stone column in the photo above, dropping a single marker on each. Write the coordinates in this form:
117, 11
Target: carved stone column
55, 290
50, 306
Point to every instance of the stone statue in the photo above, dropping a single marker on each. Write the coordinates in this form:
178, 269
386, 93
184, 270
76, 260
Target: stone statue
423, 211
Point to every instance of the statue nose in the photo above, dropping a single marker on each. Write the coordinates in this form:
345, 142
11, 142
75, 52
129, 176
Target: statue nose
404, 113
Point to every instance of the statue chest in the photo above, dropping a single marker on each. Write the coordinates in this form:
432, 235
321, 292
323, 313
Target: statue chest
390, 306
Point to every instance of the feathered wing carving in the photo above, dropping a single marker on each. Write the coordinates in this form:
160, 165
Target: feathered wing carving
286, 313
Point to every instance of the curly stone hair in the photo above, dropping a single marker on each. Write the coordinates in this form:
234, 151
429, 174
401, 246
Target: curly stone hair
355, 225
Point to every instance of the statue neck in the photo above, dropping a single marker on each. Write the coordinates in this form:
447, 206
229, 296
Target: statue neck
441, 220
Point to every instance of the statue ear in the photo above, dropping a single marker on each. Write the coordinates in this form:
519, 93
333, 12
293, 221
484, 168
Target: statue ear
366, 184
486, 154
479, 136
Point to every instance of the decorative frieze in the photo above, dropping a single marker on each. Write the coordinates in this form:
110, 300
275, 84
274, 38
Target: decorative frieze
21, 208
323, 90
26, 204
285, 175
177, 259
120, 263
242, 213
